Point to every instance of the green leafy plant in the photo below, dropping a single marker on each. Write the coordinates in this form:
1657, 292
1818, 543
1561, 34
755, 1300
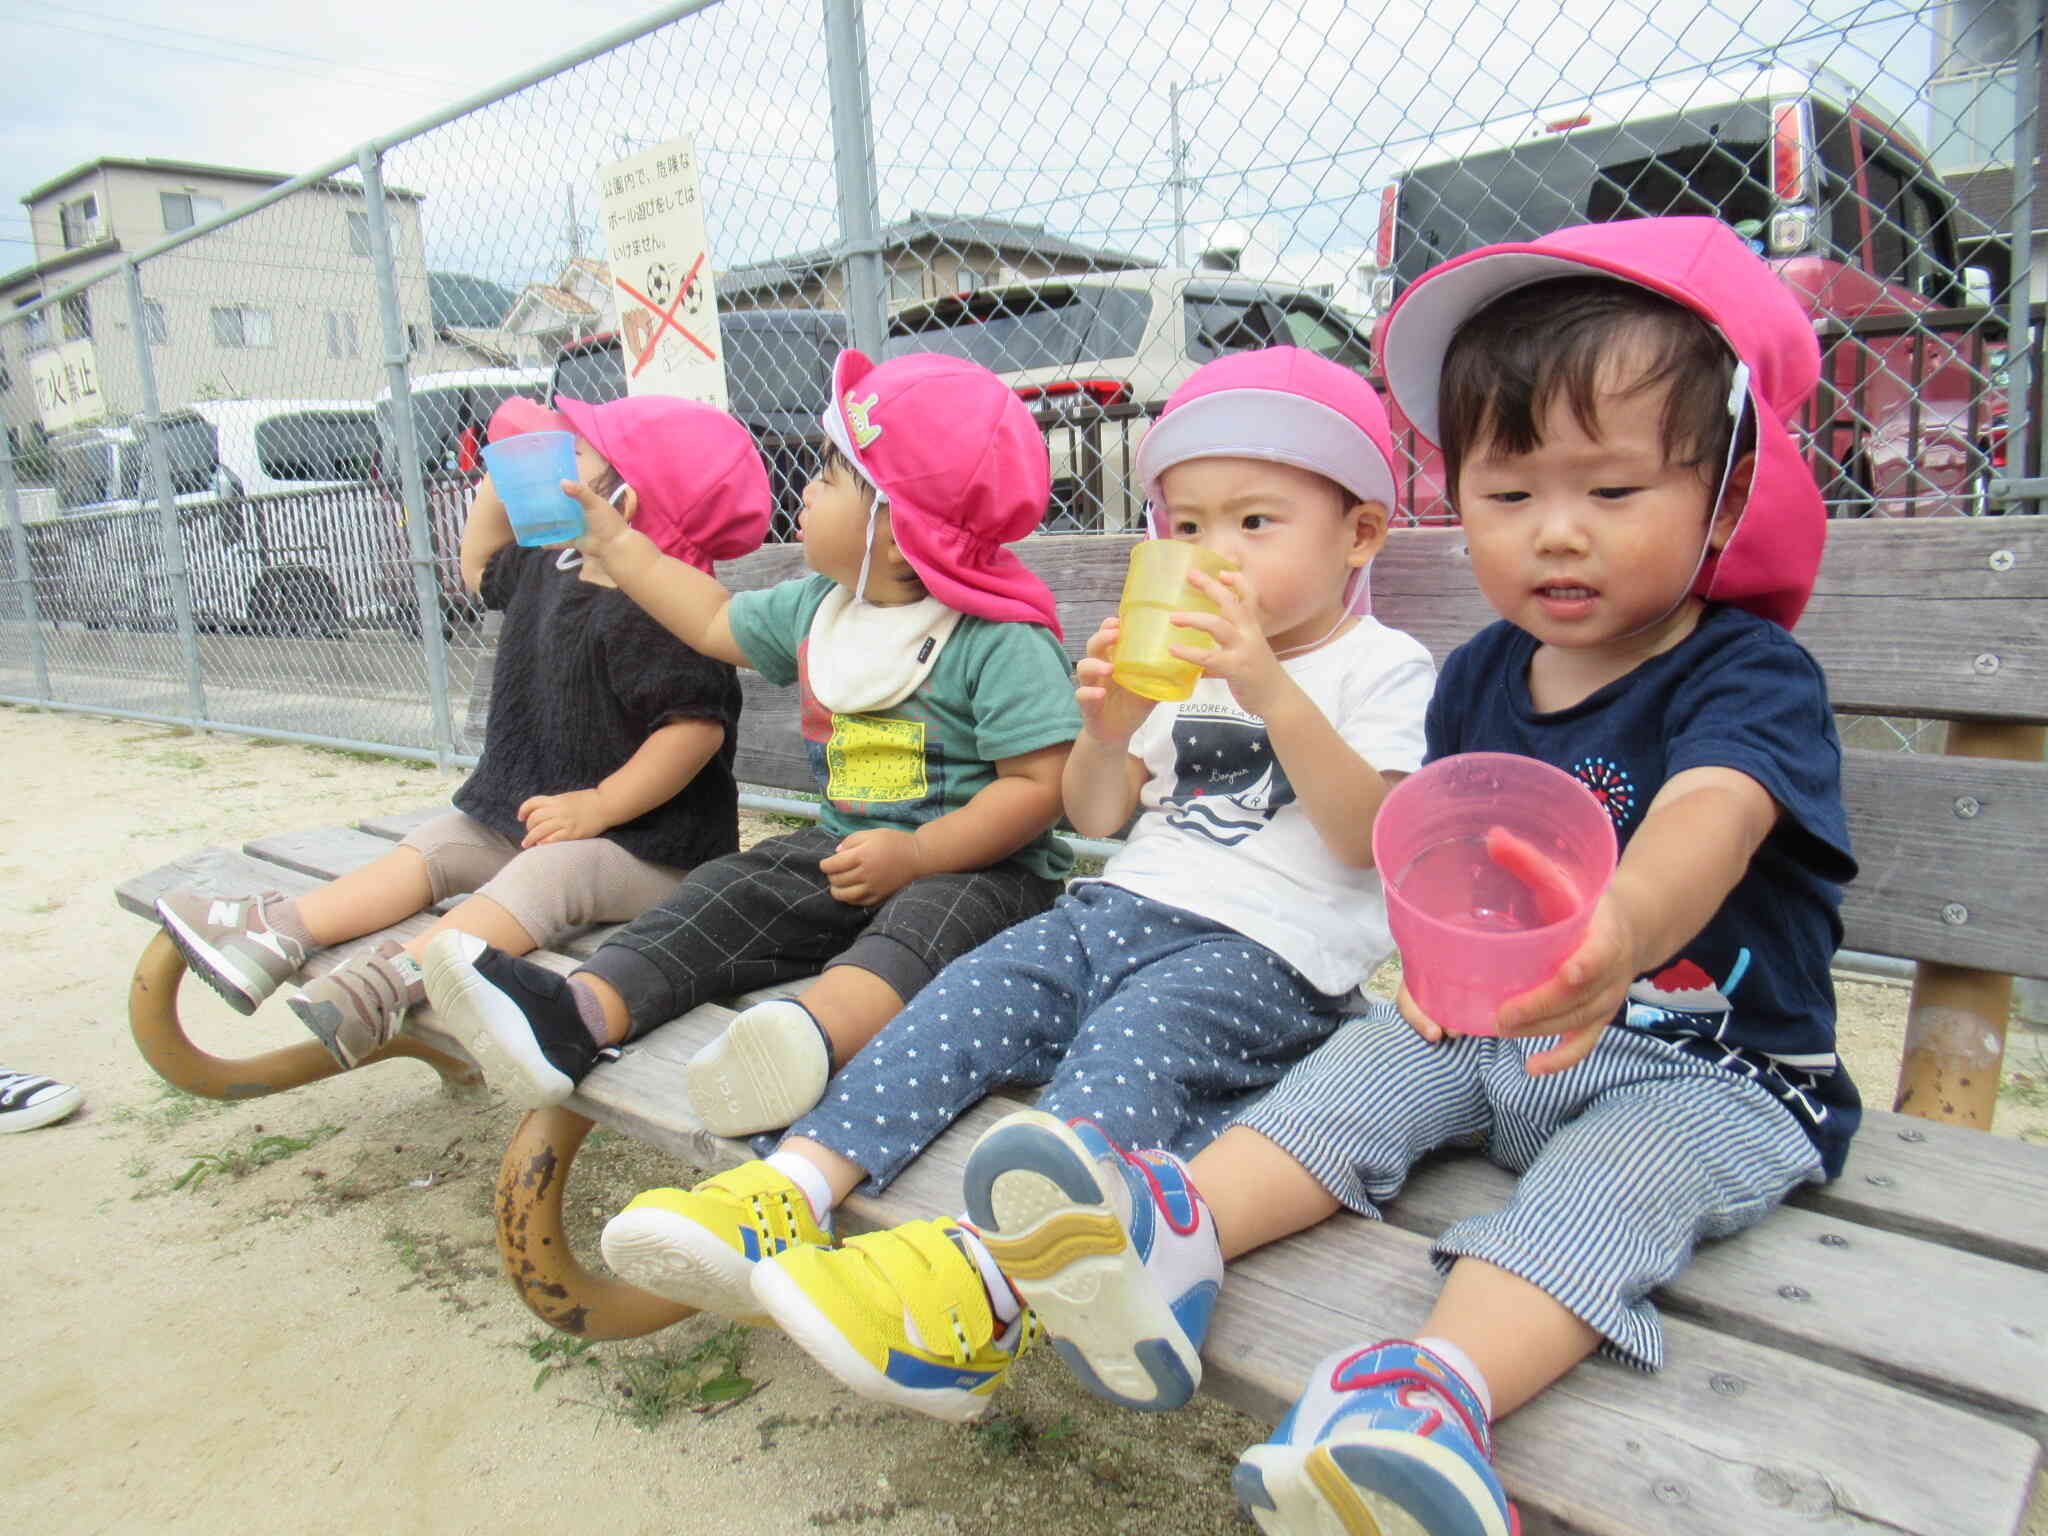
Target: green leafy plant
559, 1352
238, 1162
706, 1378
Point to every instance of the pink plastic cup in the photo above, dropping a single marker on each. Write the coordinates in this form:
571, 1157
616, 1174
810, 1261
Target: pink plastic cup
1492, 865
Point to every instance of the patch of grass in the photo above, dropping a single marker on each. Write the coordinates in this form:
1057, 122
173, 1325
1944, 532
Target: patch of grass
2025, 1088
655, 1383
173, 1109
1007, 1434
239, 1162
183, 762
648, 1385
559, 1352
45, 908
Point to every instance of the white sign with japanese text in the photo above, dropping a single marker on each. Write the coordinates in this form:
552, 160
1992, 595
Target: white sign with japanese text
67, 385
661, 274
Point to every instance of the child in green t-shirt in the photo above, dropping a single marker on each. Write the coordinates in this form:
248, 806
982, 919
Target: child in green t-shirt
937, 711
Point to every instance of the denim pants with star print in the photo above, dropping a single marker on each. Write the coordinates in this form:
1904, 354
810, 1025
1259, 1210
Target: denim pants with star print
1158, 1025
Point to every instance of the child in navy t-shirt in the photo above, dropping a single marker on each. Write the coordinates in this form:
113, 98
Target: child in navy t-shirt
1612, 402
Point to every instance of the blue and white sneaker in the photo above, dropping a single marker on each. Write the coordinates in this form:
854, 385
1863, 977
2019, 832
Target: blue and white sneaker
1387, 1438
1115, 1251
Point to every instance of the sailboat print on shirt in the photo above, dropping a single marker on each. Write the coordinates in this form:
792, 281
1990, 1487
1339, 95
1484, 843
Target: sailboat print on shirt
1229, 784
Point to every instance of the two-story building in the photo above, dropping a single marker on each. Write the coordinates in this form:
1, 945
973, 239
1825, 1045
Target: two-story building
282, 303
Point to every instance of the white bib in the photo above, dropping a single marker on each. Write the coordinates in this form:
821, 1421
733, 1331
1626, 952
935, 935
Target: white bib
863, 657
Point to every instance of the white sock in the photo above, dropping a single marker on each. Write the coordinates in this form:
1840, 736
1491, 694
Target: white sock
1461, 1362
804, 1174
1001, 1299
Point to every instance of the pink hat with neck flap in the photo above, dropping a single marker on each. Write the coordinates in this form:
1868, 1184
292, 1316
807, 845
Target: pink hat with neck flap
702, 487
1770, 561
963, 468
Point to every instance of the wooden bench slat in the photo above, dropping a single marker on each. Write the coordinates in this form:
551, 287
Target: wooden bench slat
322, 852
1919, 858
1899, 617
396, 824
1830, 1289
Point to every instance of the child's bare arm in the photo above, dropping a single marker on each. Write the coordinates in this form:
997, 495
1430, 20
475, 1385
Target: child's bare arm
1102, 779
870, 866
1694, 844
487, 530
666, 761
680, 598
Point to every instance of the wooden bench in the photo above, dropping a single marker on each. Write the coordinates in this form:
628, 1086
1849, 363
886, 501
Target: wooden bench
1875, 1356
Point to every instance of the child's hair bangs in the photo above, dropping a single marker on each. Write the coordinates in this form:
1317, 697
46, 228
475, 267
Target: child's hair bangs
1564, 341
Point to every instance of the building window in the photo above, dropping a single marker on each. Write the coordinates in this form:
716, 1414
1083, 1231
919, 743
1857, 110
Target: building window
1973, 120
359, 234
154, 326
77, 317
237, 325
80, 221
341, 335
36, 326
415, 337
184, 209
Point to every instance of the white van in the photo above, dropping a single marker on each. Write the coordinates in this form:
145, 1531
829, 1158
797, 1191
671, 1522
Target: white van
283, 531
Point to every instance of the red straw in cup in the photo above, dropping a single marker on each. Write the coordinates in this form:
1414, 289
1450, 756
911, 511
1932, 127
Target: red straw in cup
1492, 865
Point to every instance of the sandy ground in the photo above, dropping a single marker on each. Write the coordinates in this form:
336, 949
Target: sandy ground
322, 1342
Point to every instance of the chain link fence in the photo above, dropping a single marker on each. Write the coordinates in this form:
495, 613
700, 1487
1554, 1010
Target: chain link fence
239, 458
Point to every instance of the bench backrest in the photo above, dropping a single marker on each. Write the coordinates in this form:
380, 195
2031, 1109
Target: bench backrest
1942, 619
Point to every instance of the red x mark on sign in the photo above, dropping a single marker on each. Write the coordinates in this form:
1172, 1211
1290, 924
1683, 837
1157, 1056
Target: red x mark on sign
667, 317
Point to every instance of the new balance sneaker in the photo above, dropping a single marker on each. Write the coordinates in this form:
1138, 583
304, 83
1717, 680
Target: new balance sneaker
517, 1020
1387, 1438
900, 1316
766, 1070
27, 1101
699, 1246
357, 1007
1115, 1251
231, 944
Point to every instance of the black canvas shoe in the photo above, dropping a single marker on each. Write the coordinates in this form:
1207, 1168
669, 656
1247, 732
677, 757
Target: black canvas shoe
27, 1101
517, 1019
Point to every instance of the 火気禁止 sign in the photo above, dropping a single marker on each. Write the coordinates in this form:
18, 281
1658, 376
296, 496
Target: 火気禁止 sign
67, 386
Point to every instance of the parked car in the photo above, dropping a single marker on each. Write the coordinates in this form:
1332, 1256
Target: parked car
281, 531
1910, 417
778, 374
1097, 355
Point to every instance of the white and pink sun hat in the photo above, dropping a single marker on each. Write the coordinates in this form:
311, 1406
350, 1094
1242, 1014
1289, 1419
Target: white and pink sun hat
1287, 405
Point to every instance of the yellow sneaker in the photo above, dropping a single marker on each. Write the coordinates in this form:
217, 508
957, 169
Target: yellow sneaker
899, 1316
700, 1246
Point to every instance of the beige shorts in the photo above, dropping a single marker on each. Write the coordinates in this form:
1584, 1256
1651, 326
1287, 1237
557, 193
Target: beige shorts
551, 891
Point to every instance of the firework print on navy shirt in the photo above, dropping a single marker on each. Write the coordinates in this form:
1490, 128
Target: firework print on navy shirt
1228, 782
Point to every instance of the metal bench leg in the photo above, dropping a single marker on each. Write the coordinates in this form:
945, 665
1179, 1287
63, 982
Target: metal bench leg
153, 1019
535, 1250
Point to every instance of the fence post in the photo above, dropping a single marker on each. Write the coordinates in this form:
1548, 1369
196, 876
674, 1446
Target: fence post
853, 161
24, 572
426, 578
2021, 431
177, 574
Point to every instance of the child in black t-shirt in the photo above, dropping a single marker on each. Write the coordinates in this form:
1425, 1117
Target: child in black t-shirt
1613, 404
607, 764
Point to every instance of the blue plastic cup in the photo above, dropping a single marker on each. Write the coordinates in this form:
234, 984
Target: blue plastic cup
528, 471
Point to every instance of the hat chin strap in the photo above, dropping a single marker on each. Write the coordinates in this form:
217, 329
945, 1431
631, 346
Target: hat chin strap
1738, 399
867, 548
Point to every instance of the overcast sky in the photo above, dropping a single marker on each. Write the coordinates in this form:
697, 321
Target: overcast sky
1050, 111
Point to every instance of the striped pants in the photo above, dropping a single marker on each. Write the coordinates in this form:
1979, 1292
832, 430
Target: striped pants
1627, 1160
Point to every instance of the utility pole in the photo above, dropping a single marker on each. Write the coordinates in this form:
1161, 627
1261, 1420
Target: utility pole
1179, 178
572, 225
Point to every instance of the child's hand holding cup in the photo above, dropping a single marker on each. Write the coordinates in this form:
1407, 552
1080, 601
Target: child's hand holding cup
527, 470
1156, 586
1492, 865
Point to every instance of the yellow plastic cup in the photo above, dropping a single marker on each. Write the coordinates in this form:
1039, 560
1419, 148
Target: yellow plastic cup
1157, 585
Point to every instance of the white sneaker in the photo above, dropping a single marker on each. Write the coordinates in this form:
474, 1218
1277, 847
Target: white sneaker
27, 1101
766, 1071
1116, 1251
